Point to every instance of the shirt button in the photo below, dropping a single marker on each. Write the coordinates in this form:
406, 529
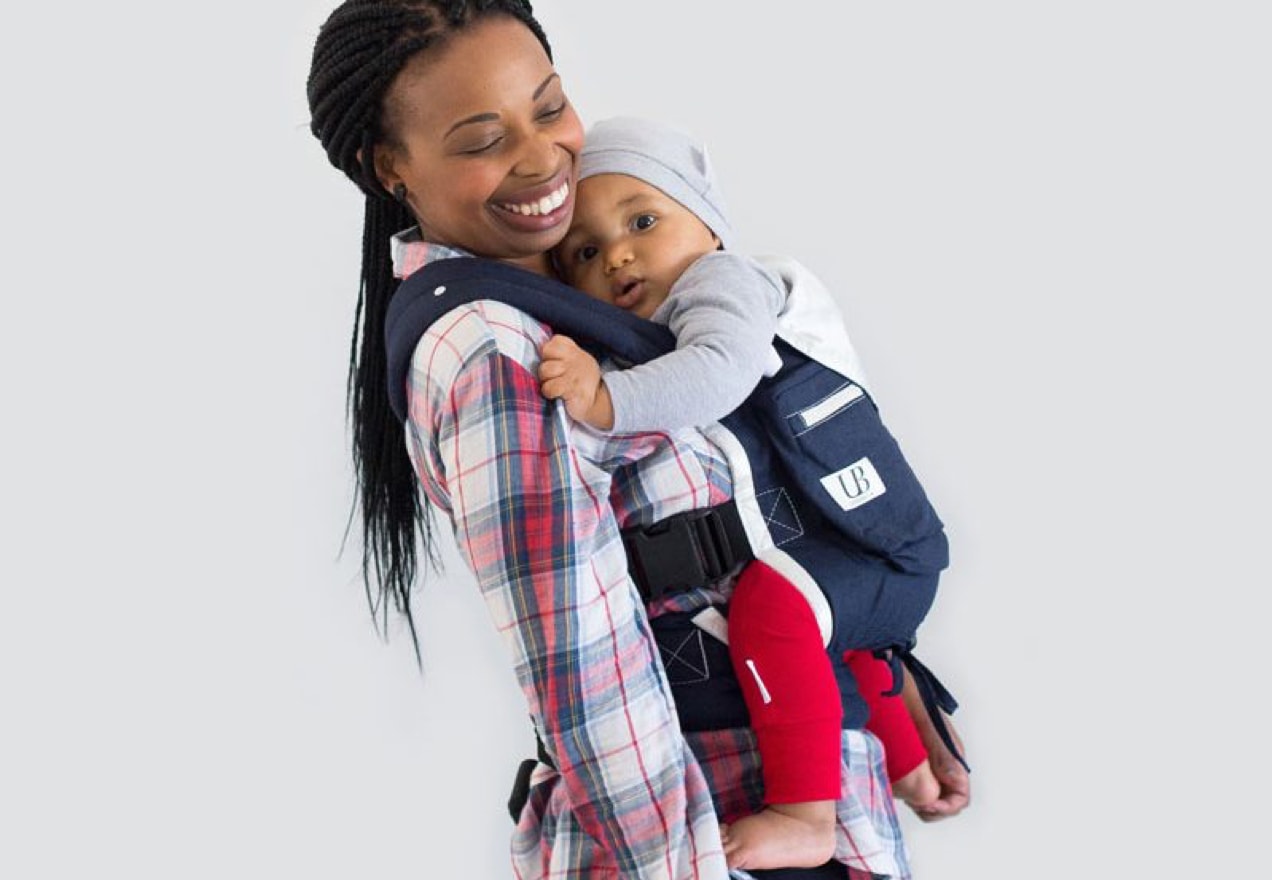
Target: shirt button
440, 290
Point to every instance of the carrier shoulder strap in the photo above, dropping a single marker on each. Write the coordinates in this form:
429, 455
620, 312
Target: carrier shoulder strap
442, 285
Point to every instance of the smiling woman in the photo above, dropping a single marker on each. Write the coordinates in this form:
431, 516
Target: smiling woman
455, 109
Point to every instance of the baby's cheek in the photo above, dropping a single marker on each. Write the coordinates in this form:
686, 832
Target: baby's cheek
595, 287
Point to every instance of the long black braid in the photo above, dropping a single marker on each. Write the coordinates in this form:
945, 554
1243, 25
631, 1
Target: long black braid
359, 52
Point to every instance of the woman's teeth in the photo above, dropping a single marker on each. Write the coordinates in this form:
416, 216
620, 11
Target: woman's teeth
545, 205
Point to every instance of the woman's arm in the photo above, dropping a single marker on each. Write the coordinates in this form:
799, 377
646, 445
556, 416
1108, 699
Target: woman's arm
956, 784
532, 518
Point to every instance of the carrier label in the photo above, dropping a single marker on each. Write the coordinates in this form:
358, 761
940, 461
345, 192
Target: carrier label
854, 485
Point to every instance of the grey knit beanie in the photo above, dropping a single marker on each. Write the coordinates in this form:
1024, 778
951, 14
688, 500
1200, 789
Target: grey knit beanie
662, 157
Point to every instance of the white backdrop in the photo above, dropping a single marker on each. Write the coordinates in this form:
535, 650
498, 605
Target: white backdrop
1048, 225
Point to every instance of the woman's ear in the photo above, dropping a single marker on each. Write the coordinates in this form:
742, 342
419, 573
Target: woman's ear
384, 160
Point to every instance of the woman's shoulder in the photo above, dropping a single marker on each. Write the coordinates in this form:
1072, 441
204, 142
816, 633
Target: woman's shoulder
477, 330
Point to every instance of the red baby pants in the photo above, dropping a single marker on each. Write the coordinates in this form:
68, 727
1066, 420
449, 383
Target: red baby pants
793, 699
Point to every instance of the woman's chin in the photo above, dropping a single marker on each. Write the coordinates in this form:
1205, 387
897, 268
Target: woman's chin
524, 245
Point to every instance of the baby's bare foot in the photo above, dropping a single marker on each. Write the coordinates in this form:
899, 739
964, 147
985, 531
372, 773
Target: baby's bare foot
919, 787
782, 836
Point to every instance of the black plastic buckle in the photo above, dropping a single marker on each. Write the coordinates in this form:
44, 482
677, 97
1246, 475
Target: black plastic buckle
684, 551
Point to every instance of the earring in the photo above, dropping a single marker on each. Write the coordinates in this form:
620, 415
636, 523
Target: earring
399, 193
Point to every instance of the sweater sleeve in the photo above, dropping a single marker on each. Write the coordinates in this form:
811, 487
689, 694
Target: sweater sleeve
723, 312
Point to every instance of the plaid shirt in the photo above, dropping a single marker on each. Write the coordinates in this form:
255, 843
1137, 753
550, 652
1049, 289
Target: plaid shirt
537, 501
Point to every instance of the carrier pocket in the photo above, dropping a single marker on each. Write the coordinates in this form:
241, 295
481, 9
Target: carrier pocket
829, 434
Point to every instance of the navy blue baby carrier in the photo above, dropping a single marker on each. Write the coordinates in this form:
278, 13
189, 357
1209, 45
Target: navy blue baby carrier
836, 493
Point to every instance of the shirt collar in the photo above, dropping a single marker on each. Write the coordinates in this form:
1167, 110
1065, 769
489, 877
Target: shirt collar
411, 252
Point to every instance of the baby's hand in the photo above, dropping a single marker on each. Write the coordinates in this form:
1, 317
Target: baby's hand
569, 373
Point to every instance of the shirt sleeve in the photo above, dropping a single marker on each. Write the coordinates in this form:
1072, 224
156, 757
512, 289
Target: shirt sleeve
532, 519
723, 312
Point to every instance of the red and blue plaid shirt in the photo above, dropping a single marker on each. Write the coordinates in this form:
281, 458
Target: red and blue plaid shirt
537, 501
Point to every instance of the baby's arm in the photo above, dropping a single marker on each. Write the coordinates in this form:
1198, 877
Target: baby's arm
723, 312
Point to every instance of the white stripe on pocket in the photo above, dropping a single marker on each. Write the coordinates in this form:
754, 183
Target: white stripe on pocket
828, 406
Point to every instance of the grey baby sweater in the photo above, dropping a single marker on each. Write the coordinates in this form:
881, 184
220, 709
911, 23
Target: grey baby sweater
723, 311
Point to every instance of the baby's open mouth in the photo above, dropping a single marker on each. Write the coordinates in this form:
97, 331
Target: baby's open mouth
630, 293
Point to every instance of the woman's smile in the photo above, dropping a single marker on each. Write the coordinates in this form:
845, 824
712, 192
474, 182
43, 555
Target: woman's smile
538, 208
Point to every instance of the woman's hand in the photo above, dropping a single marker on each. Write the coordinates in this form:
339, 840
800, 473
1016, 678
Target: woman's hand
956, 786
570, 374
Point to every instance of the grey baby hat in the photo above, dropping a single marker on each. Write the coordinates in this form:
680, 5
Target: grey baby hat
664, 158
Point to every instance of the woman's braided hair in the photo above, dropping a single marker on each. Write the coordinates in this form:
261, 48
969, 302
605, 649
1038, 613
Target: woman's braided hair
360, 50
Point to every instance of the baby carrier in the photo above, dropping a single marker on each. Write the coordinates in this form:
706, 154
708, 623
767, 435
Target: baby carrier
822, 491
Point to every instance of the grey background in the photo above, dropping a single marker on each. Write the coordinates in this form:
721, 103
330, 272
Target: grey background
1048, 225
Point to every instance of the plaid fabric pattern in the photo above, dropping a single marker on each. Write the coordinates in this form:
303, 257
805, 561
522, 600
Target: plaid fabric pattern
537, 501
410, 252
869, 835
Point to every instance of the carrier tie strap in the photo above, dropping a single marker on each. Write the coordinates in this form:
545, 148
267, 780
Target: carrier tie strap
690, 549
936, 697
521, 784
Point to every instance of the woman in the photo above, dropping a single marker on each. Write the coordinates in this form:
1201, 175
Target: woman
450, 118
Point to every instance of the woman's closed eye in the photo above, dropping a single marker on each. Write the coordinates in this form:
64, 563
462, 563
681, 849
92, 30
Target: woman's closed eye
484, 147
552, 113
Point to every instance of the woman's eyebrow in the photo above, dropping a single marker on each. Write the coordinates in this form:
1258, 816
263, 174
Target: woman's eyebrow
494, 117
543, 85
480, 117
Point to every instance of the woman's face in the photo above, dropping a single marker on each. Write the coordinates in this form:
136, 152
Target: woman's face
483, 138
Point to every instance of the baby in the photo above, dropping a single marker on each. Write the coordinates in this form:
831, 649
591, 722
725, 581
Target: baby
650, 236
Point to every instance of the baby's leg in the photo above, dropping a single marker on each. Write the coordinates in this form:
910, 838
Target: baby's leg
791, 693
908, 769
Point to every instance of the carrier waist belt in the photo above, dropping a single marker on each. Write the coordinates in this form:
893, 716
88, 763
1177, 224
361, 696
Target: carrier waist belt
688, 550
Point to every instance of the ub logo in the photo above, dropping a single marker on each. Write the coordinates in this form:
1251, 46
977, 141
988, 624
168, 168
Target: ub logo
854, 485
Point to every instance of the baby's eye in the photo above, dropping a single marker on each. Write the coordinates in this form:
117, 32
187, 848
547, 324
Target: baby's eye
644, 221
585, 253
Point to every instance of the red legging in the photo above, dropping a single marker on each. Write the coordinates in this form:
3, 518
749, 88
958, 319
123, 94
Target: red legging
889, 719
790, 691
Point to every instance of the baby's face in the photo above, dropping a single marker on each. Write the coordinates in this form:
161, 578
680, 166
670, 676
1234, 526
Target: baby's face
629, 242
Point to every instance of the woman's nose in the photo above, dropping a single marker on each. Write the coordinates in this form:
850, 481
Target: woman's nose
538, 156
